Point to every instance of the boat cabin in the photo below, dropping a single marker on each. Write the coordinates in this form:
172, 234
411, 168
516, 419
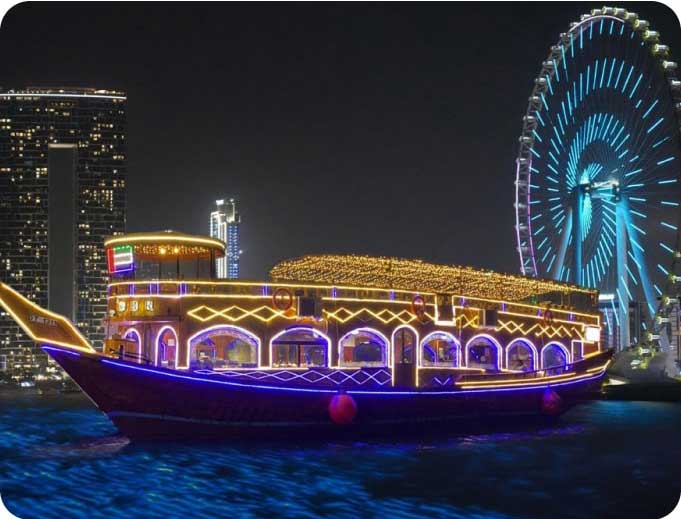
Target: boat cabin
343, 320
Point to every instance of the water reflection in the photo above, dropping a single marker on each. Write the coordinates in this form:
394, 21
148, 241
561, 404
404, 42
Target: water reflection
61, 458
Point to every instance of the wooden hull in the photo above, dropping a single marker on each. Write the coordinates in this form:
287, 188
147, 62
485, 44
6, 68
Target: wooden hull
149, 402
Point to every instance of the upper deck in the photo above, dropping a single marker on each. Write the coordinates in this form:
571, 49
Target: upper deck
162, 255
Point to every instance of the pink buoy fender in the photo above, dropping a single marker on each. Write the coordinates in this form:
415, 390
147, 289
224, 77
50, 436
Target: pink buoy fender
551, 403
342, 409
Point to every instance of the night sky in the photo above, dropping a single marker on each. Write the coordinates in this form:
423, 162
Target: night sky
386, 129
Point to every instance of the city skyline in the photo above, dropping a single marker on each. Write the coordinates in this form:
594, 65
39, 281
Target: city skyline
54, 225
371, 118
225, 224
461, 234
356, 115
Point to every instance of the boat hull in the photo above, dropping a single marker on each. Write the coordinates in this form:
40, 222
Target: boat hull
147, 402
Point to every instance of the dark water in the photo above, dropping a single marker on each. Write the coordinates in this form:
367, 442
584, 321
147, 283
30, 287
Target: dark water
60, 458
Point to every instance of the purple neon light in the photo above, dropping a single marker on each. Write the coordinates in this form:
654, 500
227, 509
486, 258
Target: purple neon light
74, 353
380, 377
539, 385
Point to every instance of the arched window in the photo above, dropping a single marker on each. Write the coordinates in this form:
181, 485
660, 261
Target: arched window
166, 347
554, 358
483, 352
363, 347
405, 341
440, 349
132, 334
223, 346
521, 355
299, 347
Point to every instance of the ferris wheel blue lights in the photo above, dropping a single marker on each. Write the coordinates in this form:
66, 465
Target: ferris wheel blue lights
597, 187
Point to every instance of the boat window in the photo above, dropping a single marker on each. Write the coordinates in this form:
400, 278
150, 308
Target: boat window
404, 344
554, 357
300, 347
134, 336
166, 348
520, 356
363, 347
224, 347
171, 268
440, 349
483, 352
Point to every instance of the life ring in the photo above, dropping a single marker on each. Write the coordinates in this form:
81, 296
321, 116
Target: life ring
418, 306
282, 299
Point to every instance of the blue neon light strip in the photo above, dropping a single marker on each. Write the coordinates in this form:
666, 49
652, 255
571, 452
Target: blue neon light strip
633, 278
612, 69
638, 81
619, 74
538, 385
650, 109
50, 348
661, 141
605, 66
657, 123
624, 86
624, 282
666, 247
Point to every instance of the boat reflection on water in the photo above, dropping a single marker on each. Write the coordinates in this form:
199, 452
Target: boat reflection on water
575, 468
84, 448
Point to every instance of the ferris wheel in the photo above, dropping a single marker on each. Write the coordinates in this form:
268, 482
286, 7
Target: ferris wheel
598, 185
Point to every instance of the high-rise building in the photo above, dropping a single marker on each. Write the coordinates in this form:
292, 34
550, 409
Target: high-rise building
62, 191
224, 225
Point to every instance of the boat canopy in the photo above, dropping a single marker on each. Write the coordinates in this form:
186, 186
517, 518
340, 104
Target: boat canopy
420, 276
149, 245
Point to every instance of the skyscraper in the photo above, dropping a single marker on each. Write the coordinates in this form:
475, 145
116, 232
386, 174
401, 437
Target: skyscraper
62, 190
224, 225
